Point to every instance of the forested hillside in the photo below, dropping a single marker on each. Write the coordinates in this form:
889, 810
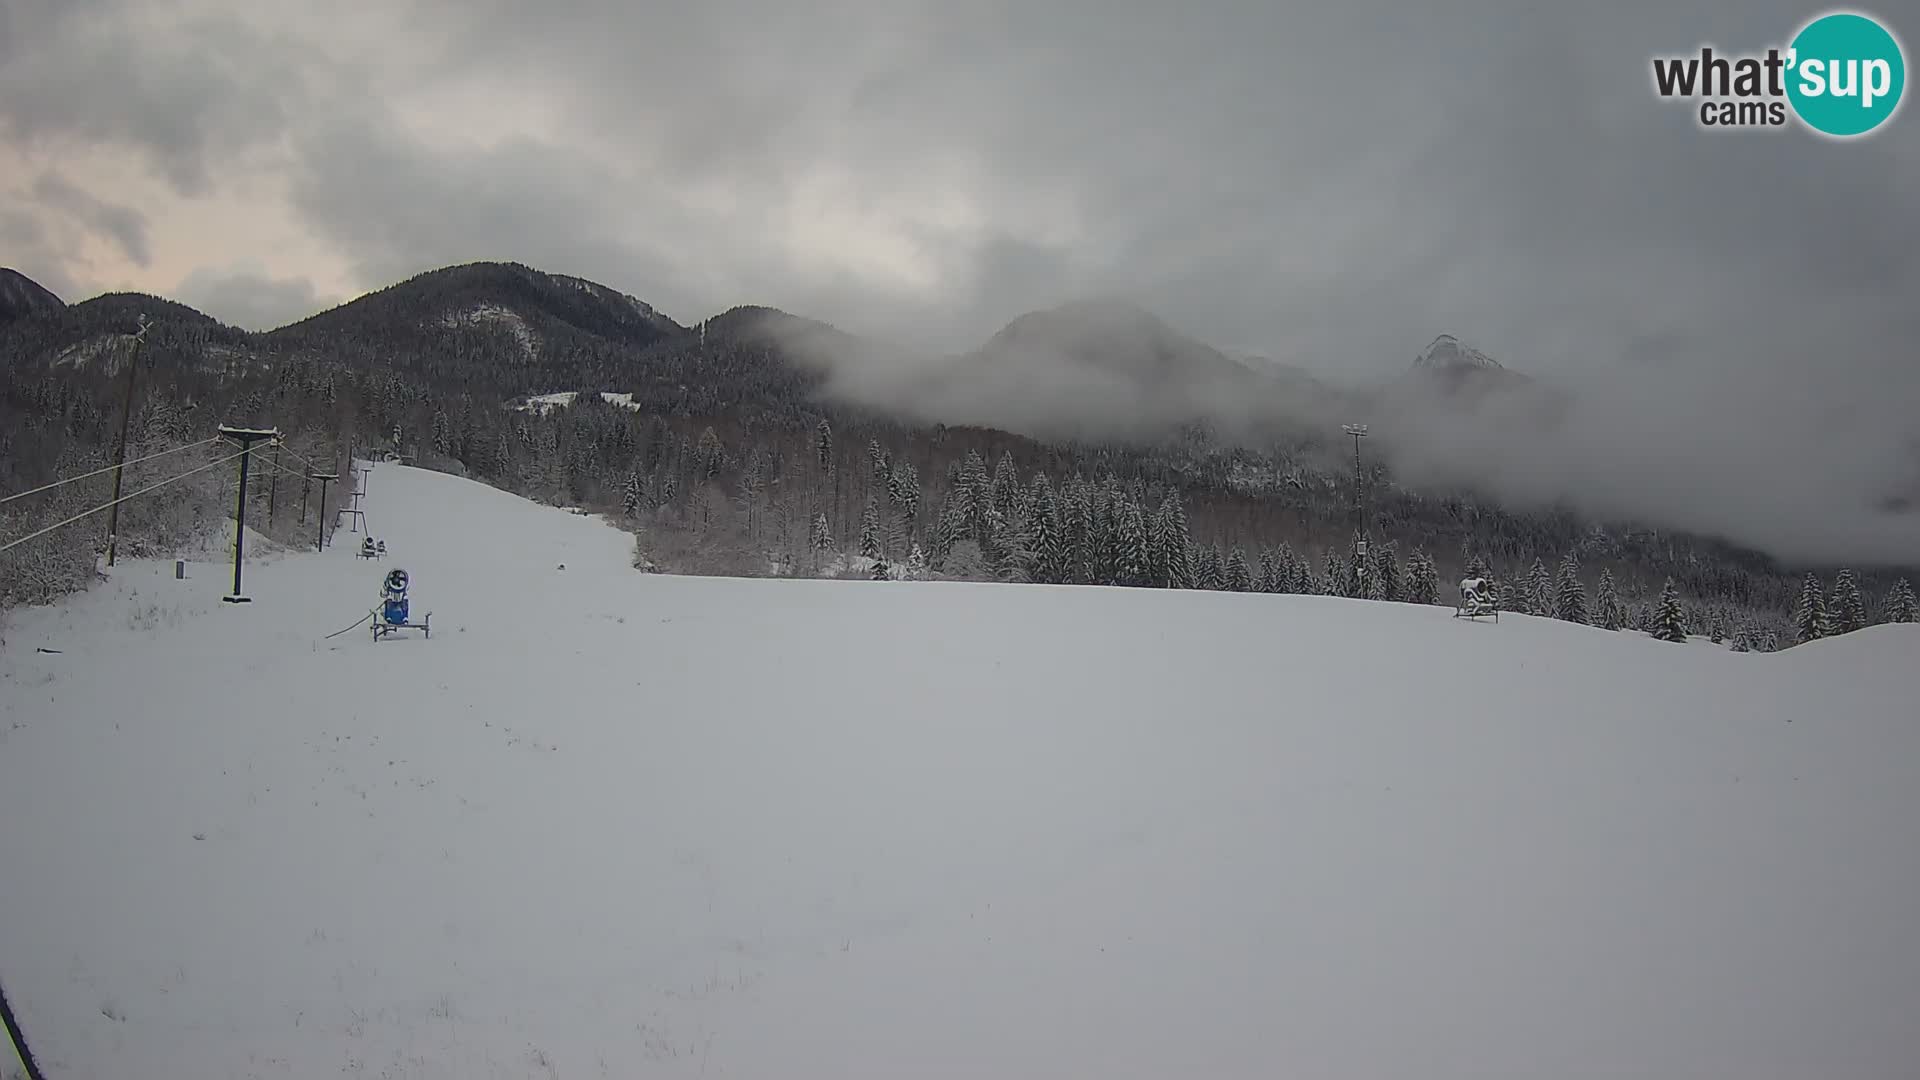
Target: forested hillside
728, 448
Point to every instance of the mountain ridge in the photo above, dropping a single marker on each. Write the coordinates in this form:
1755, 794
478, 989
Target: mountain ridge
21, 296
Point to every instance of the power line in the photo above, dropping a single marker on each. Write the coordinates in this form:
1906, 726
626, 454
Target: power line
107, 469
151, 487
272, 464
297, 456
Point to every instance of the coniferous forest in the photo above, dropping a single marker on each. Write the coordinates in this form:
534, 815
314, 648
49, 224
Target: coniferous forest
725, 452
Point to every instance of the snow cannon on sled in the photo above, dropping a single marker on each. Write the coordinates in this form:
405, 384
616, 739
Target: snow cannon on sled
392, 614
1476, 600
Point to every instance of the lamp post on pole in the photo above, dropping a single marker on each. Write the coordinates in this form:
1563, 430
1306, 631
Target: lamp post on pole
1358, 431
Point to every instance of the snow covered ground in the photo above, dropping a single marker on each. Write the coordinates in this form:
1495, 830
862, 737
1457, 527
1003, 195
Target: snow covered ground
609, 824
545, 403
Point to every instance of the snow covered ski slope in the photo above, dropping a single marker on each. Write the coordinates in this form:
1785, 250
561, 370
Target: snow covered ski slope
607, 824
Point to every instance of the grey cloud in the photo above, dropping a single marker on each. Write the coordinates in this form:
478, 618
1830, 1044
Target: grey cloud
249, 297
124, 225
29, 250
190, 94
397, 210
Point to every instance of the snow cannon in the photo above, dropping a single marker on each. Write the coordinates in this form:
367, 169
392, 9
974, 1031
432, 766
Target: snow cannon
393, 596
393, 607
1474, 601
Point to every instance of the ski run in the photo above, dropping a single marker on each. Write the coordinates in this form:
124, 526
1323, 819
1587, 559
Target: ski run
613, 824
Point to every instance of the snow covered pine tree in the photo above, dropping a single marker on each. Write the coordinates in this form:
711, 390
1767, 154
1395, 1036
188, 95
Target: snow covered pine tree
1669, 621
1849, 610
1900, 605
1810, 618
1570, 601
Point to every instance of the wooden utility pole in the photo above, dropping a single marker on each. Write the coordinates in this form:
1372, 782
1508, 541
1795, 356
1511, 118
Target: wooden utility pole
325, 479
273, 486
246, 437
120, 454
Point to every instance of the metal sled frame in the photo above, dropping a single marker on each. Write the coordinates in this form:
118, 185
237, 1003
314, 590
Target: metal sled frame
382, 628
1462, 613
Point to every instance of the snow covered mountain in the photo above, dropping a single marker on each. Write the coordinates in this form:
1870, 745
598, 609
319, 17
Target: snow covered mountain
1447, 354
605, 823
20, 296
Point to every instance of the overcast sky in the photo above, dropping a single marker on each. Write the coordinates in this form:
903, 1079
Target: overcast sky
1331, 185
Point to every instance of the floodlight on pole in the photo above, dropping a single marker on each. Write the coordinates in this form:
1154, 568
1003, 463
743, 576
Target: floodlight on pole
1358, 431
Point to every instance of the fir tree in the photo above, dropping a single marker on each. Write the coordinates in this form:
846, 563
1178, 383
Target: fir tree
1849, 610
1900, 605
1074, 532
1611, 612
1005, 557
1268, 580
1170, 542
1130, 544
1508, 597
1298, 570
630, 498
1308, 582
950, 530
1423, 580
1333, 574
903, 487
878, 465
819, 538
870, 530
1810, 618
1773, 641
1385, 580
1003, 492
1570, 601
708, 455
1239, 578
1209, 571
1538, 588
916, 564
1669, 622
1742, 639
1477, 568
881, 571
823, 446
1100, 553
503, 457
1045, 536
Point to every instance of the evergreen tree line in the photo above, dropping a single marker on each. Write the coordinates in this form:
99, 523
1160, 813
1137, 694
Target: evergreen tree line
724, 458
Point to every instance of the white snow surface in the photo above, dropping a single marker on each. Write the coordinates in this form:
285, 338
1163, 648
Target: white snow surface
614, 824
545, 403
513, 321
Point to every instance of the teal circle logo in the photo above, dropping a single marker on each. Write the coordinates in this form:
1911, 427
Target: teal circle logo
1846, 74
